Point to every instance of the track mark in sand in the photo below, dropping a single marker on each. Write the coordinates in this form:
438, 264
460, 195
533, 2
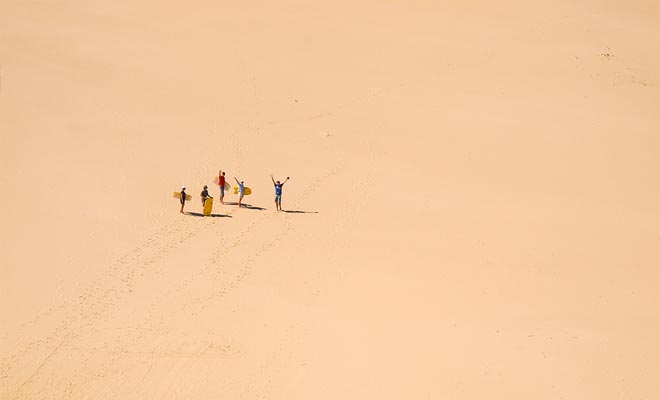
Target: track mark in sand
126, 258
84, 312
244, 269
99, 301
186, 365
214, 263
237, 150
43, 362
151, 365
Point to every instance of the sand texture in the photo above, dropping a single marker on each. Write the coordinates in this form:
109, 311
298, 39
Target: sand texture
473, 210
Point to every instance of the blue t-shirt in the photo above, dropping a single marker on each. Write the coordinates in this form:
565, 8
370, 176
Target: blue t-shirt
278, 189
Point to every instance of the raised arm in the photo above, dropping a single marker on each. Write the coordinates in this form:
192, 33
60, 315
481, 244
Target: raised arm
285, 181
272, 179
236, 180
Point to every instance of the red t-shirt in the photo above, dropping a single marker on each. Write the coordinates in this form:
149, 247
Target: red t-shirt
221, 180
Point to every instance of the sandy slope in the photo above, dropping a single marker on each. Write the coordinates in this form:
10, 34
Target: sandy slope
476, 187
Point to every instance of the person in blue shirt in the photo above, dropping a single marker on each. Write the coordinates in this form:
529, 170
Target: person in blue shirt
278, 192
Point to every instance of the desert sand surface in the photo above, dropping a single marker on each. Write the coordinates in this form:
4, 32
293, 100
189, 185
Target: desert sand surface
473, 210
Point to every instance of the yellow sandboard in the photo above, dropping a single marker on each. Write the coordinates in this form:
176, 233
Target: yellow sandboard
227, 185
178, 196
246, 190
208, 205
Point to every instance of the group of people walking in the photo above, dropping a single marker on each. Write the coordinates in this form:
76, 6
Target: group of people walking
240, 191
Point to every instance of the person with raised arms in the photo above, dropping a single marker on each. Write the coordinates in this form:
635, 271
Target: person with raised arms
221, 183
241, 191
278, 192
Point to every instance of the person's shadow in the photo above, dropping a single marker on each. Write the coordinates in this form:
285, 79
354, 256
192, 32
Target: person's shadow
194, 214
300, 212
245, 205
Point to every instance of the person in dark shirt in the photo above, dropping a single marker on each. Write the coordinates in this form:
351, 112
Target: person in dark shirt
278, 192
182, 198
205, 194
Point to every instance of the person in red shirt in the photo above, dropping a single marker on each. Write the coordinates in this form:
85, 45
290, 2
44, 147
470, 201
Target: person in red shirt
221, 183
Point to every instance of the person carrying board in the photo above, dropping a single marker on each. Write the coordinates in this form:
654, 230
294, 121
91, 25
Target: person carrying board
241, 191
221, 183
205, 194
182, 198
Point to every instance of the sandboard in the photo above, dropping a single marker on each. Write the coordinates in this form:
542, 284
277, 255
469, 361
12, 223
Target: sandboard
208, 205
227, 185
246, 190
178, 196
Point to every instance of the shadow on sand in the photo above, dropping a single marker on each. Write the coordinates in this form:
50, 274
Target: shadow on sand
244, 205
300, 212
194, 214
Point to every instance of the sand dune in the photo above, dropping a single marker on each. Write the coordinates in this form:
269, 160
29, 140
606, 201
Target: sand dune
473, 210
